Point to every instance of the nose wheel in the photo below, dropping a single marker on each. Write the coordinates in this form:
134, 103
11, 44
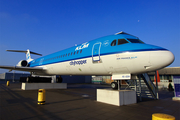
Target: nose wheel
116, 85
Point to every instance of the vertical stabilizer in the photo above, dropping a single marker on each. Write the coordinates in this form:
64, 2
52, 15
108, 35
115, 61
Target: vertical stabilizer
28, 56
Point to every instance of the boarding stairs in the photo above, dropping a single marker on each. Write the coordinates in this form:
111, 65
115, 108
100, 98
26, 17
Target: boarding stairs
143, 86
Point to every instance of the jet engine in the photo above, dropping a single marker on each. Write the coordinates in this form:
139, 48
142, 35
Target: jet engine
22, 63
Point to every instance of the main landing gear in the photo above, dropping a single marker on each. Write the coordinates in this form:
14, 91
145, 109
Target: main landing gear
59, 79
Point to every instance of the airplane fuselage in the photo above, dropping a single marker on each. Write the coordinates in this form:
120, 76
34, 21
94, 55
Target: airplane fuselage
115, 54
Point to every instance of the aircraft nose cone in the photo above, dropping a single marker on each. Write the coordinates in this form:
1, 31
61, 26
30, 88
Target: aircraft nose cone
160, 59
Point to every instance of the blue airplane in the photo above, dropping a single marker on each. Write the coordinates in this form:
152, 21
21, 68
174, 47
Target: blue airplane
120, 55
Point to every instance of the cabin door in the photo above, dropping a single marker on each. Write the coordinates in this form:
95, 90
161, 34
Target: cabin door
96, 52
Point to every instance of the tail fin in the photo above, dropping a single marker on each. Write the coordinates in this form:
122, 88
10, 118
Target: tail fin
28, 56
27, 52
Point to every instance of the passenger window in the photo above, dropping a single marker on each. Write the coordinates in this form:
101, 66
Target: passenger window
122, 41
68, 54
81, 51
113, 43
77, 52
74, 52
71, 53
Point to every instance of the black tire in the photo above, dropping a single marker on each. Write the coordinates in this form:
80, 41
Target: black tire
114, 85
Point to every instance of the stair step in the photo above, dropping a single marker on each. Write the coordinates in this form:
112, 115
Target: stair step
146, 96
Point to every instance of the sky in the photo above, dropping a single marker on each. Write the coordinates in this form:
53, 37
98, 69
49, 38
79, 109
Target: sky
47, 26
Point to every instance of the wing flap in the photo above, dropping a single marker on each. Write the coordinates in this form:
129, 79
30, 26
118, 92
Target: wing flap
28, 69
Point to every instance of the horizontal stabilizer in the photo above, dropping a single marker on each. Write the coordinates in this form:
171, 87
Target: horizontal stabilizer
24, 51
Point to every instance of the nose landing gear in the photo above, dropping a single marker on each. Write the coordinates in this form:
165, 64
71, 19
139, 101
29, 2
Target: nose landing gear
116, 85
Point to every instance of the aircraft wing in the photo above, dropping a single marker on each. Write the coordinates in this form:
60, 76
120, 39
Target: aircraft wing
28, 69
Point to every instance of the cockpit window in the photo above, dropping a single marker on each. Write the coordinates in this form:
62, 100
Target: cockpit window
113, 43
135, 41
122, 41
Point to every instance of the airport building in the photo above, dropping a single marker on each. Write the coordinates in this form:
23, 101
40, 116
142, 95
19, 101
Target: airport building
12, 76
66, 78
166, 74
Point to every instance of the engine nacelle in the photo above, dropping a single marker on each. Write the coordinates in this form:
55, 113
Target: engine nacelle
22, 63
